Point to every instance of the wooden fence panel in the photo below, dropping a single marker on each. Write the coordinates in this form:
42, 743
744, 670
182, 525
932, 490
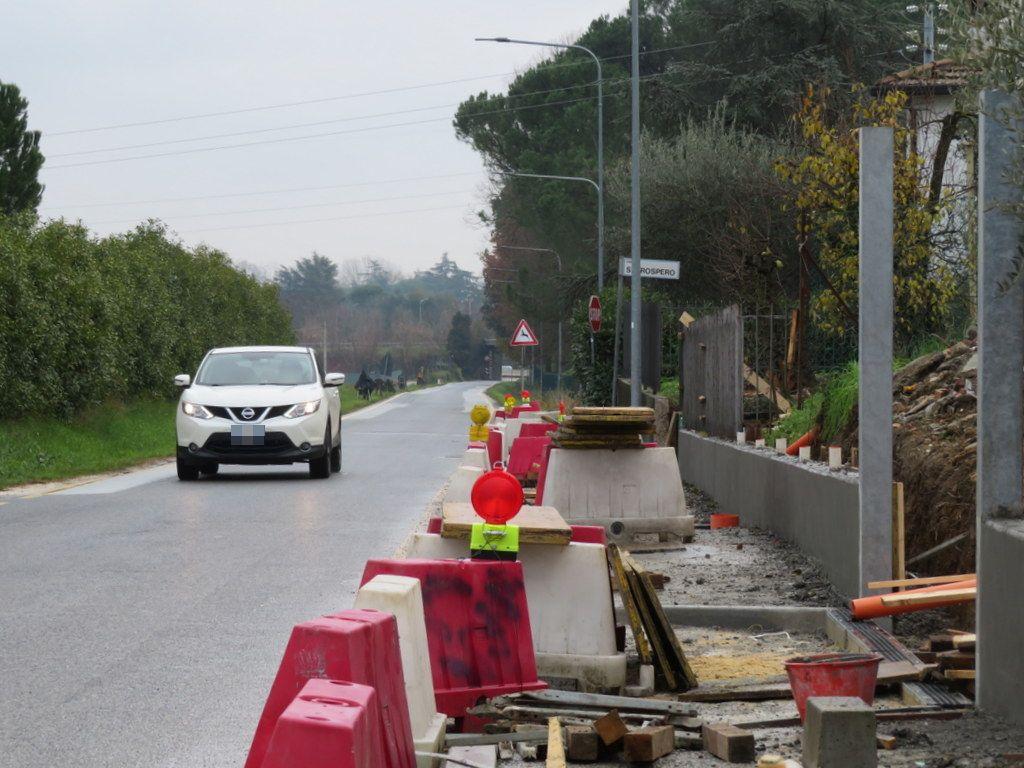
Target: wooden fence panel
711, 374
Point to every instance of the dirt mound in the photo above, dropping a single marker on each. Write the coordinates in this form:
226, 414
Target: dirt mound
934, 453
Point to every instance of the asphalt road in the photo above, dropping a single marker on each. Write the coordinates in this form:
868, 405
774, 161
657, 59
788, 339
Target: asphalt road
142, 619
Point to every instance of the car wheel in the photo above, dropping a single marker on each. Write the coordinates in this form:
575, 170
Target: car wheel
209, 469
336, 456
320, 468
187, 471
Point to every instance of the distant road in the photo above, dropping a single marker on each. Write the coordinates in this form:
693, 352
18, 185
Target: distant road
142, 619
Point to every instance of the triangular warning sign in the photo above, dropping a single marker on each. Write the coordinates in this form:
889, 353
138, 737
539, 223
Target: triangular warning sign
524, 336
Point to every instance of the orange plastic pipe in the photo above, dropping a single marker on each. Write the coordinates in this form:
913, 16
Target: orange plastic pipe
800, 442
872, 607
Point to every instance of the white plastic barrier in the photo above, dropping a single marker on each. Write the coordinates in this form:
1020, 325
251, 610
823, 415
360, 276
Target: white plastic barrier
402, 597
461, 484
571, 613
475, 457
627, 491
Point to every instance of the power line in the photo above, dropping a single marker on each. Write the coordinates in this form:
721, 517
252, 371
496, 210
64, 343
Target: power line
265, 192
325, 99
298, 207
285, 139
332, 218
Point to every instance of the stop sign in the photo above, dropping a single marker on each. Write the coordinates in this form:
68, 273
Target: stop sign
594, 314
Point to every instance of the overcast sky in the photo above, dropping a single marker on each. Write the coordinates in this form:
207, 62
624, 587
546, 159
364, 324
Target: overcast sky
100, 64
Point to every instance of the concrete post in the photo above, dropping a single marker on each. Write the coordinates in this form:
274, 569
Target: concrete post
1000, 531
875, 352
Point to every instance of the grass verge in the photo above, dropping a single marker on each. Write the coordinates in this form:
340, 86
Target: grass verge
114, 436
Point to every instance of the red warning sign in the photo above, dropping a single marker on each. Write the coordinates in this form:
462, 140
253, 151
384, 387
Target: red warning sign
524, 336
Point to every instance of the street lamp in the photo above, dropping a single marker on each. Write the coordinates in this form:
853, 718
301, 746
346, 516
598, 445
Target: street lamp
600, 139
558, 259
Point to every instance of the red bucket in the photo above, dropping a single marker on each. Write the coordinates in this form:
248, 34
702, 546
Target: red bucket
832, 674
721, 520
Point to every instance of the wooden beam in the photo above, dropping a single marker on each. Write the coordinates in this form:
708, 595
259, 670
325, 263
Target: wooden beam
923, 581
556, 752
645, 745
729, 743
762, 387
899, 538
926, 598
643, 648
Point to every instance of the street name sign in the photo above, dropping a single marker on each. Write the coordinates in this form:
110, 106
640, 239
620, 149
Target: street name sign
656, 268
524, 336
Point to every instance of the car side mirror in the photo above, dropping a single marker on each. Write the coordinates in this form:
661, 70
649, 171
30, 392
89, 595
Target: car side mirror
334, 379
182, 380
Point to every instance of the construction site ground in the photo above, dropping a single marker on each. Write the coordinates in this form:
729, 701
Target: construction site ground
746, 567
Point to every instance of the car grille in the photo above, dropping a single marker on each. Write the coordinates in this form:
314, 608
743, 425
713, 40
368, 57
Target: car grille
234, 413
273, 442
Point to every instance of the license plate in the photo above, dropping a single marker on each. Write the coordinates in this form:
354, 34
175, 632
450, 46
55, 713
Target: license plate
248, 434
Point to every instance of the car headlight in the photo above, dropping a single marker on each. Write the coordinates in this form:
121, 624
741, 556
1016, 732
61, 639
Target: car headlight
196, 411
302, 409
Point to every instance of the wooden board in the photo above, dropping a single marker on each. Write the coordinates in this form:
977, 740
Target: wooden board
643, 648
633, 412
909, 598
923, 581
663, 626
537, 525
899, 539
556, 752
661, 657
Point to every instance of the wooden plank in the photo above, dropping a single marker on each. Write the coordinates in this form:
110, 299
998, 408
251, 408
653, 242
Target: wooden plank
927, 598
967, 642
955, 660
610, 728
899, 538
762, 387
556, 751
643, 648
885, 741
647, 620
681, 665
923, 581
645, 745
626, 703
537, 525
628, 411
959, 674
738, 693
729, 743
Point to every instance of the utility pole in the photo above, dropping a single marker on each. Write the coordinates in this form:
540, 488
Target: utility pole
929, 33
325, 345
634, 363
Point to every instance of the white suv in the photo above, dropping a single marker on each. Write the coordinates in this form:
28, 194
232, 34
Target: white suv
258, 405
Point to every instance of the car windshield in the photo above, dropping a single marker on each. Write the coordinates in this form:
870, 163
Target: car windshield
242, 368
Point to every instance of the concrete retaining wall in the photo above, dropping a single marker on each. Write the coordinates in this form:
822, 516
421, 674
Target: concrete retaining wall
807, 504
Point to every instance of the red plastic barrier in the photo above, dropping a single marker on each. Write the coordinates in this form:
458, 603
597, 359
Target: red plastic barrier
329, 724
649, 445
542, 474
493, 447
537, 428
478, 628
588, 534
434, 524
832, 674
360, 646
525, 453
476, 444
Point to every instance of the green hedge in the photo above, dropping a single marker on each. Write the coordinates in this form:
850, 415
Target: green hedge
84, 320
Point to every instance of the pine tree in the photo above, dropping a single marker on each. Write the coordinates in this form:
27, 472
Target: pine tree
20, 157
